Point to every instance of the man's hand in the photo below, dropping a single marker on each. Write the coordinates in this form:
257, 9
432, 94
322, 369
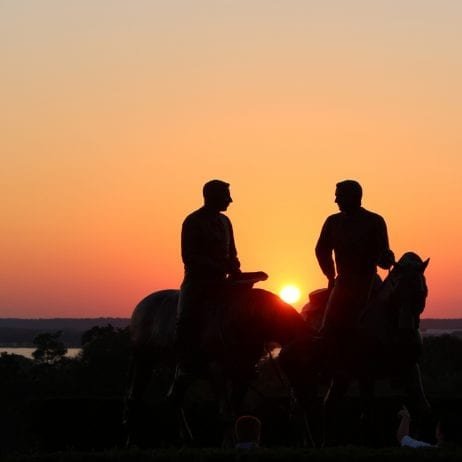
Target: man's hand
262, 275
249, 277
387, 259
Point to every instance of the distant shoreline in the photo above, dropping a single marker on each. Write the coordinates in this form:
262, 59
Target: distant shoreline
27, 351
20, 332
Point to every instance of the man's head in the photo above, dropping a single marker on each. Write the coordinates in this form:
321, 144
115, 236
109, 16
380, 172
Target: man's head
348, 195
216, 195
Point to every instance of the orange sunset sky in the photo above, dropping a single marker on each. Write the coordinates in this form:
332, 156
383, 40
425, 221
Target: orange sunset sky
114, 113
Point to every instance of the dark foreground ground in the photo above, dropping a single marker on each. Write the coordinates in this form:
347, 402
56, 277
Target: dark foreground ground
64, 409
348, 453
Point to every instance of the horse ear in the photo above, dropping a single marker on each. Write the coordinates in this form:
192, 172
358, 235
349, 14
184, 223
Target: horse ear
424, 265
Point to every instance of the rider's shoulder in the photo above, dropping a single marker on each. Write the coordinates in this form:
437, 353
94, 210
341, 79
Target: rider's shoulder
334, 218
195, 216
372, 215
331, 223
224, 218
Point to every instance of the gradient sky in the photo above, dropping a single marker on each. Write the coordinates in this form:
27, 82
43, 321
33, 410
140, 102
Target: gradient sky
114, 114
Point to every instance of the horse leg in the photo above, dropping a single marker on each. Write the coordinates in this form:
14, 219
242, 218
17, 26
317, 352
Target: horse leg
140, 371
301, 362
415, 391
230, 394
175, 399
338, 387
368, 433
236, 392
226, 395
417, 403
179, 387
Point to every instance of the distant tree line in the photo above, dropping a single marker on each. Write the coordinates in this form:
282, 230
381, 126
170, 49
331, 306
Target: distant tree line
22, 332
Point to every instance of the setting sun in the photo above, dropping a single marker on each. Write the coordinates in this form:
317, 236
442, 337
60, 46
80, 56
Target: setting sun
290, 294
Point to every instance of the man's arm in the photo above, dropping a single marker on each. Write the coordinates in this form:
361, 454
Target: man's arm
324, 248
234, 263
386, 257
403, 428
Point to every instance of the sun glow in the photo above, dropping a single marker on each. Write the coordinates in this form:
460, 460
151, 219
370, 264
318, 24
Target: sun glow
290, 293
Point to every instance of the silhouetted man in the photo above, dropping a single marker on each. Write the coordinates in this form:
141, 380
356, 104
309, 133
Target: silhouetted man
359, 241
210, 260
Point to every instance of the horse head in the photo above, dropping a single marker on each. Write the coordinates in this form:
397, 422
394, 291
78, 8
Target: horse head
400, 299
410, 293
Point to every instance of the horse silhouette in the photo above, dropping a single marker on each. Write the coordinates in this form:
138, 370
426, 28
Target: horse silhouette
386, 344
232, 342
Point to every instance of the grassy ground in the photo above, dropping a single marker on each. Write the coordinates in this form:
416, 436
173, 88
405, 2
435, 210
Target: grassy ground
261, 455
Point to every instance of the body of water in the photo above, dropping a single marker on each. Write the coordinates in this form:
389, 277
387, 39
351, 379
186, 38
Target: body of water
27, 352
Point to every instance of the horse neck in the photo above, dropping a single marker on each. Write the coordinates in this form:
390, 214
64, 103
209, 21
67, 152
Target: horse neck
279, 321
411, 303
375, 309
392, 307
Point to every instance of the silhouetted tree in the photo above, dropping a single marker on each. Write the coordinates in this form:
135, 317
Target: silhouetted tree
104, 343
105, 357
50, 348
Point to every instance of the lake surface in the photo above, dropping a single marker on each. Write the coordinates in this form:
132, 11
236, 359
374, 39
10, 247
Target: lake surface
27, 352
